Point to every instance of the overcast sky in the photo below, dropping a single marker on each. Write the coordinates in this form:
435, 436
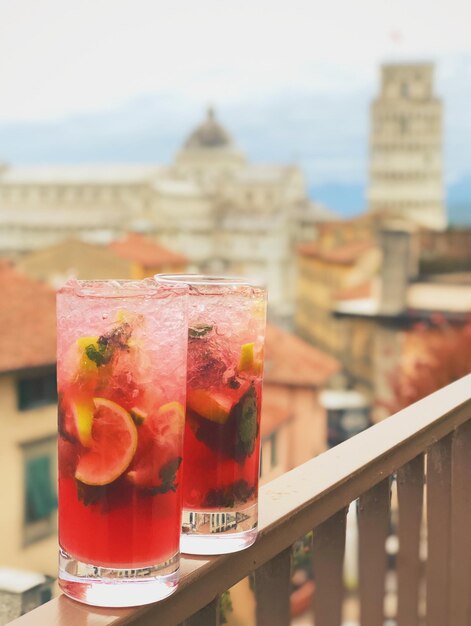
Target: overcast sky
66, 58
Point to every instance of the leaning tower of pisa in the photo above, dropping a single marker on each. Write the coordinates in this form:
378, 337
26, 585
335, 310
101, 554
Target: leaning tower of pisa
406, 172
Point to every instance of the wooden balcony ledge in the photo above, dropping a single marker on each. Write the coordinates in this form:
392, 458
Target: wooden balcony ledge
316, 496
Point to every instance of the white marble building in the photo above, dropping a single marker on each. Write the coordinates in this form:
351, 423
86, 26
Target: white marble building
211, 204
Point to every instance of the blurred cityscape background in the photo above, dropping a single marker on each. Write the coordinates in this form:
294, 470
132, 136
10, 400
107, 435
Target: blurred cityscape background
323, 148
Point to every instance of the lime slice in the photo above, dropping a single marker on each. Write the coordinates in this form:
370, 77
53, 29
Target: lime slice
114, 442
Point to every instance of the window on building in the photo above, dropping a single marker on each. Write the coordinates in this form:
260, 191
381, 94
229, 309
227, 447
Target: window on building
45, 595
273, 450
269, 454
37, 390
40, 495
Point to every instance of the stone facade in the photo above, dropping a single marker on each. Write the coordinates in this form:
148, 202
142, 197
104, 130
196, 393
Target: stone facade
25, 544
361, 298
406, 177
222, 212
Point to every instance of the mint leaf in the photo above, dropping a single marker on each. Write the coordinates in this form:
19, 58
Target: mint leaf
168, 473
168, 476
100, 356
245, 412
235, 438
226, 497
116, 339
90, 494
196, 332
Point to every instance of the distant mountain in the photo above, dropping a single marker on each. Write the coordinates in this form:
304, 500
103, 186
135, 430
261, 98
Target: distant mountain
459, 202
460, 191
345, 199
460, 214
350, 199
293, 127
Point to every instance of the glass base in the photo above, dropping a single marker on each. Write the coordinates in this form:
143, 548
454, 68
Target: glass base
218, 532
105, 586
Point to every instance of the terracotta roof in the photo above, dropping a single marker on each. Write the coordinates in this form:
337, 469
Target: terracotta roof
72, 257
344, 254
27, 321
276, 408
147, 253
289, 360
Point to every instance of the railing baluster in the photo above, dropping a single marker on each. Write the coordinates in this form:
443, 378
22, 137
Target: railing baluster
208, 616
373, 527
439, 532
410, 493
460, 574
328, 555
272, 590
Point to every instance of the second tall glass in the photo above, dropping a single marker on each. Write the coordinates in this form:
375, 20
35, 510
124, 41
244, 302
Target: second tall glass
222, 435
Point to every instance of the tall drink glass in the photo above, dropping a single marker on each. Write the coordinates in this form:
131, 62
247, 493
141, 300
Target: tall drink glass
222, 434
121, 370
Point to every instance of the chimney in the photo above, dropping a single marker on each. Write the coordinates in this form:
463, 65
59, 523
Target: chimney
397, 269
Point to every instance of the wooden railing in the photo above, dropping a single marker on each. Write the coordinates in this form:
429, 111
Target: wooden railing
434, 433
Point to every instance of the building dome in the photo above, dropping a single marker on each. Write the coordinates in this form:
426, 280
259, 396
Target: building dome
210, 134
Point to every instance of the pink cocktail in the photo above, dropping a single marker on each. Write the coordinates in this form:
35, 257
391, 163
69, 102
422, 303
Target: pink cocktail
222, 434
121, 369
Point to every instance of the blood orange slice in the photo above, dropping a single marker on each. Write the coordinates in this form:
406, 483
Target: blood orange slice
160, 442
212, 405
113, 444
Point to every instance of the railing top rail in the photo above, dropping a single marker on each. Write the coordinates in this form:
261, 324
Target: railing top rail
290, 506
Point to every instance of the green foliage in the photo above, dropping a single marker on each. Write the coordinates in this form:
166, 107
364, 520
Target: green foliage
302, 551
302, 555
225, 606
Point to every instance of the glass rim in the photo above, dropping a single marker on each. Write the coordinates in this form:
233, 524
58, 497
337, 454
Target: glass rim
210, 280
119, 288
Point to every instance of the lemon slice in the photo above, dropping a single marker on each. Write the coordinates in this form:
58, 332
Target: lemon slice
83, 415
246, 360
